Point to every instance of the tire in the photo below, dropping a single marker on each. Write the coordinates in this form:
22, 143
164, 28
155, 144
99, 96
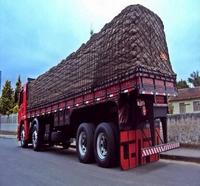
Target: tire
23, 142
37, 137
106, 145
84, 142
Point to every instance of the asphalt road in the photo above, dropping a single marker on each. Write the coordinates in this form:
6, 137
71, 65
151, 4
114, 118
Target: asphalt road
56, 167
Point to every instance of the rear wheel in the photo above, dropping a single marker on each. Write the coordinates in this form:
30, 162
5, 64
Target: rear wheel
23, 142
84, 142
37, 136
106, 145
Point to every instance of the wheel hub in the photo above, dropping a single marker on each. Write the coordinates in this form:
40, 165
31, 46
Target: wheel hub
102, 146
82, 143
22, 137
34, 138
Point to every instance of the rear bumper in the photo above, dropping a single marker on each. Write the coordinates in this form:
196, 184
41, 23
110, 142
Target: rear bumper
159, 148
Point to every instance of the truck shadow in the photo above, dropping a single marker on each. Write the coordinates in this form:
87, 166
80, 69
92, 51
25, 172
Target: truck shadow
151, 167
55, 150
71, 155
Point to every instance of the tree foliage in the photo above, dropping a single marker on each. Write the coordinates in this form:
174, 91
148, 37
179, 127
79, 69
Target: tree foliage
17, 90
194, 78
182, 84
7, 99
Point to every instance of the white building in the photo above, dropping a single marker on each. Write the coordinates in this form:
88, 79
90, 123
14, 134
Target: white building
187, 101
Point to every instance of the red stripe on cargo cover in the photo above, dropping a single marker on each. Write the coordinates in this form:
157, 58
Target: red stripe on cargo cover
55, 107
62, 105
100, 94
113, 89
78, 100
70, 103
88, 97
48, 109
128, 84
170, 84
159, 83
147, 81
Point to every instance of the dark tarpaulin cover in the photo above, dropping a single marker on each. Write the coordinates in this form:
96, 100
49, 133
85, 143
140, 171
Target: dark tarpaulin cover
133, 39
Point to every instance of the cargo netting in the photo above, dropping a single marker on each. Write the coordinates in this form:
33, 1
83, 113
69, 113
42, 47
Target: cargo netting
134, 39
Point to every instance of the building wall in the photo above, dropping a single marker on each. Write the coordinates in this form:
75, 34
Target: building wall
184, 128
188, 104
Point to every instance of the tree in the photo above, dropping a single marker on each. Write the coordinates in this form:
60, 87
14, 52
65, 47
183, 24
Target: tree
7, 99
194, 78
182, 84
17, 90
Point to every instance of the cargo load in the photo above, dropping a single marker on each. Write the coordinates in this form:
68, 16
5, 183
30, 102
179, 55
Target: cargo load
134, 41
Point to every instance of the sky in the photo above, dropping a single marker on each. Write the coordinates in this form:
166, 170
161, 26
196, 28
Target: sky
36, 35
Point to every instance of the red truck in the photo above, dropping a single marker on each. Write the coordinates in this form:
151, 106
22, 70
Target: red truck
110, 95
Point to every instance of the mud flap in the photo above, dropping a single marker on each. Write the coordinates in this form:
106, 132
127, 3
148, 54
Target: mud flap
128, 149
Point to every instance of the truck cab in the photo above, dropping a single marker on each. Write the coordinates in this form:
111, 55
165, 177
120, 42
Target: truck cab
23, 127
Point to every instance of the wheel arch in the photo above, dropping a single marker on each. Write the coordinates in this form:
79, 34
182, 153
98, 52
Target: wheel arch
98, 113
35, 121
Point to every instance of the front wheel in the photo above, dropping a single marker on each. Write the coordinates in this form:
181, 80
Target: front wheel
23, 142
106, 145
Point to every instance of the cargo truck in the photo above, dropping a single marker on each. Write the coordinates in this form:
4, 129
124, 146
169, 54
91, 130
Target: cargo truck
110, 95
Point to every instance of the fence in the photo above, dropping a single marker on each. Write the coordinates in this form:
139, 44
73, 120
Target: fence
8, 123
184, 128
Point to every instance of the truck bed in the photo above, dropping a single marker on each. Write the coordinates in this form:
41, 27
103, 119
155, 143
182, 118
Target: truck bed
145, 84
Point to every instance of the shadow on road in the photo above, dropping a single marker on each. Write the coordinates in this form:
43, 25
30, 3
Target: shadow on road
71, 155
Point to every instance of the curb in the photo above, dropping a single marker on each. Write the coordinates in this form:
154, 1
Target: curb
180, 158
190, 146
8, 136
3, 132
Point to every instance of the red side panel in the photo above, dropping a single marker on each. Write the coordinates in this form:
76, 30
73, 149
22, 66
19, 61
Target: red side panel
132, 149
62, 105
78, 100
124, 161
128, 149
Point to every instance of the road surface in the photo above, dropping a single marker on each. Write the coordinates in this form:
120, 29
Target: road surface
56, 167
